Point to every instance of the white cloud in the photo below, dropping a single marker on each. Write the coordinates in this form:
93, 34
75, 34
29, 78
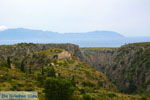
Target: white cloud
3, 28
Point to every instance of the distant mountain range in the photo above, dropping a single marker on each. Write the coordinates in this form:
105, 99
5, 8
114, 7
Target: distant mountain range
87, 39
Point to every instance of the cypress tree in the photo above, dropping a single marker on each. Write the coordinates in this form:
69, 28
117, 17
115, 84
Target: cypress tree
42, 70
51, 72
8, 62
22, 66
30, 70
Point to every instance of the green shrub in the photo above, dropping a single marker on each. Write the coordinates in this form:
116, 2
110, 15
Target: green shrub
88, 84
4, 78
3, 63
22, 66
87, 97
51, 72
40, 78
16, 86
8, 62
111, 95
143, 98
58, 89
82, 91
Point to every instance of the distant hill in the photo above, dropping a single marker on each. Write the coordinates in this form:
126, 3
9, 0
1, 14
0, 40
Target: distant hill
37, 36
86, 39
26, 34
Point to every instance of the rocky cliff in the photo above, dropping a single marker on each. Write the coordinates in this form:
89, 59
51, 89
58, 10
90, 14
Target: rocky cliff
130, 69
98, 57
128, 66
20, 50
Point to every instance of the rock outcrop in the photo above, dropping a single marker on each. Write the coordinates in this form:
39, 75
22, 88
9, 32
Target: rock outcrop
20, 50
64, 55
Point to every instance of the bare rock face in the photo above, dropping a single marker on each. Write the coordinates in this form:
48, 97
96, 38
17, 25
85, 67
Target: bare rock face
13, 66
64, 55
98, 58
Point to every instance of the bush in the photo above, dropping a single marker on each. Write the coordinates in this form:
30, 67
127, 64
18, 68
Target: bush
88, 84
58, 89
4, 78
111, 95
87, 97
8, 62
3, 63
40, 78
51, 72
82, 91
143, 98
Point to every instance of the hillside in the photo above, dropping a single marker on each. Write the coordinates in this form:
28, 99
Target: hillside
127, 66
25, 67
132, 63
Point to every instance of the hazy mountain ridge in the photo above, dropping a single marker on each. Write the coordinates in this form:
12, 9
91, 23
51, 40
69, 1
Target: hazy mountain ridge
85, 39
21, 33
11, 36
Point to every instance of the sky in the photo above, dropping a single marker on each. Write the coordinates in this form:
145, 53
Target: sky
128, 17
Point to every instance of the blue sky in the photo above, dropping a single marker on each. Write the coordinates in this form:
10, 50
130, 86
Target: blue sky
128, 17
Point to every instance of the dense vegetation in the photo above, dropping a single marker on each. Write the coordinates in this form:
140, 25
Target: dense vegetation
127, 67
132, 68
58, 89
36, 67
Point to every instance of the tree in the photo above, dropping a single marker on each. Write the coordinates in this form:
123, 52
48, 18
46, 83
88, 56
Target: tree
30, 70
8, 62
51, 72
58, 89
22, 66
87, 97
73, 81
40, 78
42, 70
132, 87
